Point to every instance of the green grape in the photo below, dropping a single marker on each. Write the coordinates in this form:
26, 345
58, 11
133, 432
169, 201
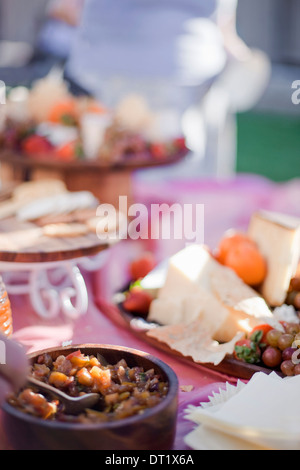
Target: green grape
292, 328
272, 337
285, 341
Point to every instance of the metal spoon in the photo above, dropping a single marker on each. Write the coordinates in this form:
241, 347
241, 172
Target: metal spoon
73, 405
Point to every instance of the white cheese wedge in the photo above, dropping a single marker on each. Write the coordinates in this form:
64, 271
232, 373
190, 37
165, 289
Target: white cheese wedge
155, 279
278, 238
201, 288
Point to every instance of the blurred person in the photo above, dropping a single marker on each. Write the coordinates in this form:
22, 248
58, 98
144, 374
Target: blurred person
58, 32
145, 45
21, 60
15, 369
174, 53
20, 23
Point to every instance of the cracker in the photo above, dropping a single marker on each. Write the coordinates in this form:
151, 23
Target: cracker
32, 190
65, 230
79, 216
194, 341
106, 224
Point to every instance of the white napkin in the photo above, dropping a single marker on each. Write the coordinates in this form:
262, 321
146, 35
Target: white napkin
262, 414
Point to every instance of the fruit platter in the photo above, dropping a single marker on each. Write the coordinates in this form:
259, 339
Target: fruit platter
233, 309
48, 124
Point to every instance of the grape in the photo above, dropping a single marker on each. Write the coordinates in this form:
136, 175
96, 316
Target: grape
285, 341
287, 368
272, 357
295, 284
297, 337
292, 328
297, 301
297, 369
272, 337
288, 353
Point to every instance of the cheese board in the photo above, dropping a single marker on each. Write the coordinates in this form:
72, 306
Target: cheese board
139, 326
217, 308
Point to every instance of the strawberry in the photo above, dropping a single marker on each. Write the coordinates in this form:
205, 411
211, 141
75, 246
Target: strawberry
138, 301
180, 143
158, 151
36, 145
247, 351
142, 266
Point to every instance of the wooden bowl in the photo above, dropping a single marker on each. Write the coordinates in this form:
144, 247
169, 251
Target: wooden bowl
153, 430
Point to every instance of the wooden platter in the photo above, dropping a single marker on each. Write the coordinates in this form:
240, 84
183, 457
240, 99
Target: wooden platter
23, 242
46, 162
229, 366
106, 181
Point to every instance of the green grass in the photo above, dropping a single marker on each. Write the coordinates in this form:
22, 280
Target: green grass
269, 145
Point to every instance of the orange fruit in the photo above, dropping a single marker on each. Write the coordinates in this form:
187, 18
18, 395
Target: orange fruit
247, 262
231, 240
64, 112
67, 152
96, 108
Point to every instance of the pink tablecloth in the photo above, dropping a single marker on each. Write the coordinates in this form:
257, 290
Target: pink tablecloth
227, 204
95, 327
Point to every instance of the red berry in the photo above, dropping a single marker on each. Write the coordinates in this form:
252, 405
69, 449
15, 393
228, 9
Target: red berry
180, 143
158, 151
36, 145
138, 301
142, 266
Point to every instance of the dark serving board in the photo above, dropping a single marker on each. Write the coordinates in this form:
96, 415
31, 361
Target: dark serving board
229, 366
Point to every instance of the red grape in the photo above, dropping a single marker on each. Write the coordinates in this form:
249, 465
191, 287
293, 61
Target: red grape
292, 328
288, 368
288, 353
272, 357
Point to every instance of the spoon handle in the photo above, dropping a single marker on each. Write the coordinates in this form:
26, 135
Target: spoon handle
72, 405
48, 388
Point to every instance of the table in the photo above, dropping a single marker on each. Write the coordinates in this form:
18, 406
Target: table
240, 197
94, 327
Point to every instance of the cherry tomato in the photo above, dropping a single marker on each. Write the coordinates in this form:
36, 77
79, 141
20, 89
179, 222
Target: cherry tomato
74, 354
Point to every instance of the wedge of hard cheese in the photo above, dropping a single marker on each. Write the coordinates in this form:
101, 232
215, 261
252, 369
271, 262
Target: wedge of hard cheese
198, 287
278, 238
